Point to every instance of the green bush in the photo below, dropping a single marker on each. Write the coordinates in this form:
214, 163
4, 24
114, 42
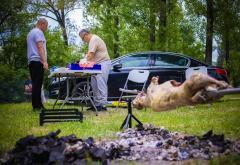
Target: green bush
234, 68
12, 84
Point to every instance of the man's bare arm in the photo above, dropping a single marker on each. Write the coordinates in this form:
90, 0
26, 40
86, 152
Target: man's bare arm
41, 52
89, 56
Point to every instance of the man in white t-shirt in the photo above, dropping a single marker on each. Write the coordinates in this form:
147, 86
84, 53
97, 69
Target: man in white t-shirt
98, 53
37, 60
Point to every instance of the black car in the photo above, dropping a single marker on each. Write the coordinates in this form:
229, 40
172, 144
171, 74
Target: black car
166, 65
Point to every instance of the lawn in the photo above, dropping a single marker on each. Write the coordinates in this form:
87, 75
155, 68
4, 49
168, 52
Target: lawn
223, 117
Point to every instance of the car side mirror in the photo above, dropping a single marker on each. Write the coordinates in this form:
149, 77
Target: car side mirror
117, 66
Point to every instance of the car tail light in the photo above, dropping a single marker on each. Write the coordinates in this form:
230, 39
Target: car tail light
221, 71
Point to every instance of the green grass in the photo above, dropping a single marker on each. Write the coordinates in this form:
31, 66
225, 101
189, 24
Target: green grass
18, 120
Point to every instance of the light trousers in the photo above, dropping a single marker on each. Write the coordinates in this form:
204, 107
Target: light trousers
99, 84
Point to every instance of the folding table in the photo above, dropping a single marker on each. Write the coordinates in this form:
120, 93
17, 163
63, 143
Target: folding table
59, 115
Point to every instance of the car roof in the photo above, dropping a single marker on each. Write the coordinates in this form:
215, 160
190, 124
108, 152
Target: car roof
159, 52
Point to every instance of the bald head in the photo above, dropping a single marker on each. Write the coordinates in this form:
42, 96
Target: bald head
42, 24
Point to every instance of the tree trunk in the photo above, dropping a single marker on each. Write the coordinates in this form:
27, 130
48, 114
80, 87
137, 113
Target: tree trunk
62, 24
60, 18
209, 32
64, 34
112, 16
64, 30
162, 24
152, 23
227, 46
116, 37
226, 34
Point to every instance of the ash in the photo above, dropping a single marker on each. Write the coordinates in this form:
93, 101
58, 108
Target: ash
151, 143
145, 143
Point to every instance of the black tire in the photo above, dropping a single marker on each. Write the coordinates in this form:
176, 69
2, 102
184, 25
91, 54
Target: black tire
80, 90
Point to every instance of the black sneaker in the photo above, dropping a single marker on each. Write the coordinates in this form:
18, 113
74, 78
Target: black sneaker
104, 108
101, 108
43, 108
37, 109
90, 109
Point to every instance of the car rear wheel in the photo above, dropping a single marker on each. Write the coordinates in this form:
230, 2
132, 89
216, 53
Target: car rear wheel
79, 93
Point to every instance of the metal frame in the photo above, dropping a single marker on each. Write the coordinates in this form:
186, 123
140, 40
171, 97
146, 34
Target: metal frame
75, 73
135, 76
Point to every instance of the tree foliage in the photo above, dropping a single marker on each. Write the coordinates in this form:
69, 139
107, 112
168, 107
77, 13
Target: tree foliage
225, 29
13, 30
56, 10
143, 25
12, 84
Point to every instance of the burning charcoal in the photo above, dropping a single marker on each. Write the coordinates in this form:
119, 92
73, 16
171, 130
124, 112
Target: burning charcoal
217, 140
44, 140
71, 149
125, 152
54, 134
141, 133
118, 134
208, 134
50, 142
113, 153
90, 141
17, 159
64, 139
152, 131
40, 154
123, 144
147, 144
98, 153
176, 144
70, 139
131, 143
80, 161
221, 150
206, 156
203, 143
237, 147
75, 152
139, 127
165, 134
149, 126
183, 154
82, 153
108, 145
24, 142
169, 141
190, 139
140, 142
159, 144
164, 155
56, 157
59, 147
136, 156
206, 150
69, 159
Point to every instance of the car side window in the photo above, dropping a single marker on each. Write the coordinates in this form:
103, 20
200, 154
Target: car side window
196, 63
139, 60
170, 60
